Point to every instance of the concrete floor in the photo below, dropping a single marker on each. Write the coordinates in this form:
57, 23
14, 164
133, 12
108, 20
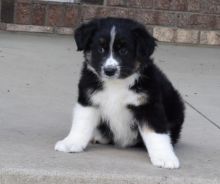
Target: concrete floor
38, 80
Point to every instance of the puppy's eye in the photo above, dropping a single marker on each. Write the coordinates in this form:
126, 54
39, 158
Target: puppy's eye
101, 50
123, 51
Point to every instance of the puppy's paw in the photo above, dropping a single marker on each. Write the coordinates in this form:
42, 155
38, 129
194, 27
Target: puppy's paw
169, 161
68, 147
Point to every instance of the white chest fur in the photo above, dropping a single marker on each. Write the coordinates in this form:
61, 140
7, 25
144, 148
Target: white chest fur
112, 102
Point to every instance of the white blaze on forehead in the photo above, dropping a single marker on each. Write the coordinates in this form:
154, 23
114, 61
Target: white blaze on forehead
111, 61
112, 34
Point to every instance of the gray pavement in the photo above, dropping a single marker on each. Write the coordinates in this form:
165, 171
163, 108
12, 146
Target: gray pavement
38, 79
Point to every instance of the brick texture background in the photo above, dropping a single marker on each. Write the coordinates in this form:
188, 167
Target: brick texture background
184, 21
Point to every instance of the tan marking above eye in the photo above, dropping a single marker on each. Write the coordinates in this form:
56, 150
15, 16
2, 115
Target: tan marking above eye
120, 43
147, 129
102, 40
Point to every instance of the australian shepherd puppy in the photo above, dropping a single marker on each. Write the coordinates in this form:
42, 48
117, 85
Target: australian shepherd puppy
123, 99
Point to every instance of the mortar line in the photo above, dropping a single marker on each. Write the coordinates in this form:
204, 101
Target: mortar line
203, 115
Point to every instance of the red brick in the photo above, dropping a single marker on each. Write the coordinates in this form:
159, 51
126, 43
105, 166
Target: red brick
143, 16
196, 21
194, 5
164, 34
64, 30
210, 37
29, 28
179, 5
24, 1
210, 6
71, 16
116, 3
113, 12
92, 1
149, 17
165, 18
23, 13
187, 36
140, 3
217, 25
55, 15
38, 14
3, 26
7, 11
89, 12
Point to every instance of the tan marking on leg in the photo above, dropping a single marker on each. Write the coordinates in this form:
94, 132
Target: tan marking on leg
147, 129
142, 99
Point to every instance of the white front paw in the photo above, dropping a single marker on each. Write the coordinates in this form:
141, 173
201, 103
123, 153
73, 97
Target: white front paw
68, 146
169, 161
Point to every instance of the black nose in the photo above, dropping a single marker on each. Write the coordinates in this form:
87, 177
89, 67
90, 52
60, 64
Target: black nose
110, 71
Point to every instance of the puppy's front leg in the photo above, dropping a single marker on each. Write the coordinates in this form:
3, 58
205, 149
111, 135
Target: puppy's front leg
159, 148
85, 120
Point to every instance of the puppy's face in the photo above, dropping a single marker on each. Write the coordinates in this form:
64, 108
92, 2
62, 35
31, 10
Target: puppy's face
112, 53
114, 48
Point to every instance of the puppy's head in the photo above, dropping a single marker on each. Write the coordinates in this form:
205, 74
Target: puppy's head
115, 47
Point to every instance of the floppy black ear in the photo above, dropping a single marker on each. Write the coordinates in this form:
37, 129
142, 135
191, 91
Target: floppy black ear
83, 35
145, 42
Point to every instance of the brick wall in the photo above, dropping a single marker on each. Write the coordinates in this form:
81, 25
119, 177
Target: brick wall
180, 21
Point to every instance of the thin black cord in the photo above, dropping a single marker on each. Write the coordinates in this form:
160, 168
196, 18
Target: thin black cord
212, 122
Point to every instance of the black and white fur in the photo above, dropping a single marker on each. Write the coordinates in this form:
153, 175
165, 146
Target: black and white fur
124, 99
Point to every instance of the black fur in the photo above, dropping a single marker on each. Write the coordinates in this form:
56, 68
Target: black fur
164, 110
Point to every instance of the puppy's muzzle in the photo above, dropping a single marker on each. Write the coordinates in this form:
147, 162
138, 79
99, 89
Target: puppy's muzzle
110, 70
